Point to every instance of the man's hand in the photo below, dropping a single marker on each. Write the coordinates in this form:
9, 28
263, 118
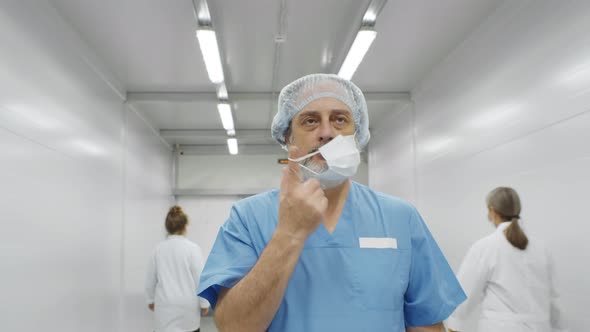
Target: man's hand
204, 311
151, 306
301, 205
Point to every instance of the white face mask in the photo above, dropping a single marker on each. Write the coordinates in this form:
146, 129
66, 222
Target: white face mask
341, 155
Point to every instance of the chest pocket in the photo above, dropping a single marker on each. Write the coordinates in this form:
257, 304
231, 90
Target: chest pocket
380, 277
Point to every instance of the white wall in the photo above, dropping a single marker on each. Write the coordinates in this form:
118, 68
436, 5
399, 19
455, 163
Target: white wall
148, 196
206, 215
510, 106
237, 175
77, 194
391, 156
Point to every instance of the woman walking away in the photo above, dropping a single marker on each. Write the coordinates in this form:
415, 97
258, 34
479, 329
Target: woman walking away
173, 278
509, 274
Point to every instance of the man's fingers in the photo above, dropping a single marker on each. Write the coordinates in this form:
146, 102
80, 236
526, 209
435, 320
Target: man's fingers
285, 180
293, 167
317, 194
312, 184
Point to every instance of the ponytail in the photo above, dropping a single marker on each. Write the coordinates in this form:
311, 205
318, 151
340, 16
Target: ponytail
506, 203
515, 235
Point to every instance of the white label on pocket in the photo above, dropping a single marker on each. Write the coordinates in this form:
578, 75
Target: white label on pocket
378, 242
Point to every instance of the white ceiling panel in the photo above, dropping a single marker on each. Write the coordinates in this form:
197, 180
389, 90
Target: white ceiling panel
246, 32
150, 45
414, 36
252, 113
318, 35
181, 115
249, 110
151, 48
217, 137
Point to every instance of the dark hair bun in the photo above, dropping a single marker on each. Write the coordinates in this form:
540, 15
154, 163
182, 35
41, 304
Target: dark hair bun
176, 220
176, 210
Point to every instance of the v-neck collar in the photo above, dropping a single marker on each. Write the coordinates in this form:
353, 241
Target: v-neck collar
344, 226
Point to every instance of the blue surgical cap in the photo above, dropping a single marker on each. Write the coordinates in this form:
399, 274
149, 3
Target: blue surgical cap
304, 90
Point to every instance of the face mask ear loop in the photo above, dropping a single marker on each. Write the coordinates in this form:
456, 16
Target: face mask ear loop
309, 170
304, 157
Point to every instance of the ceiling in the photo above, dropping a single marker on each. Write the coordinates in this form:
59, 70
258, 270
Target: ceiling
151, 48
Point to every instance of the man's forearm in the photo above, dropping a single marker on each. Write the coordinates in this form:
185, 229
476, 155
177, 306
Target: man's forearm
253, 302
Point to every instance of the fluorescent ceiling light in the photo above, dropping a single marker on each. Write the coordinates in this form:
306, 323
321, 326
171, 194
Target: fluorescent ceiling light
225, 115
210, 51
222, 92
232, 145
359, 48
370, 16
231, 132
202, 11
375, 7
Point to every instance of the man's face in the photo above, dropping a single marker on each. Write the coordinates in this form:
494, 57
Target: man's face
317, 124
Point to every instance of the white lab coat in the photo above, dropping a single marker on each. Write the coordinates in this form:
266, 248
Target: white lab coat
171, 284
514, 287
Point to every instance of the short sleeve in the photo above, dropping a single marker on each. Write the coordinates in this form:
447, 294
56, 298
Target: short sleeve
433, 291
232, 257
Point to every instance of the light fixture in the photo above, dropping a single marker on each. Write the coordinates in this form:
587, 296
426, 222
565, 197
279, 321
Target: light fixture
202, 13
231, 132
232, 145
225, 115
370, 16
222, 92
359, 48
210, 50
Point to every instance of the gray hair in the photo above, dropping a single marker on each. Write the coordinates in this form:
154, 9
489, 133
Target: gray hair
505, 202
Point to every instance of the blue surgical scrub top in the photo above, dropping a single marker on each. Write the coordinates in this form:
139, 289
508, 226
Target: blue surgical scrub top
343, 282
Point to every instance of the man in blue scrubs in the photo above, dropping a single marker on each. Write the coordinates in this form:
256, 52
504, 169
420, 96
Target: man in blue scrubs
324, 253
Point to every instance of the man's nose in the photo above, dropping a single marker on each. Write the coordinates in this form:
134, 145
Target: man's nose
326, 132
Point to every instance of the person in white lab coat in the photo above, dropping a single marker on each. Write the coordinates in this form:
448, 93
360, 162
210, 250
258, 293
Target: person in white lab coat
510, 276
173, 278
